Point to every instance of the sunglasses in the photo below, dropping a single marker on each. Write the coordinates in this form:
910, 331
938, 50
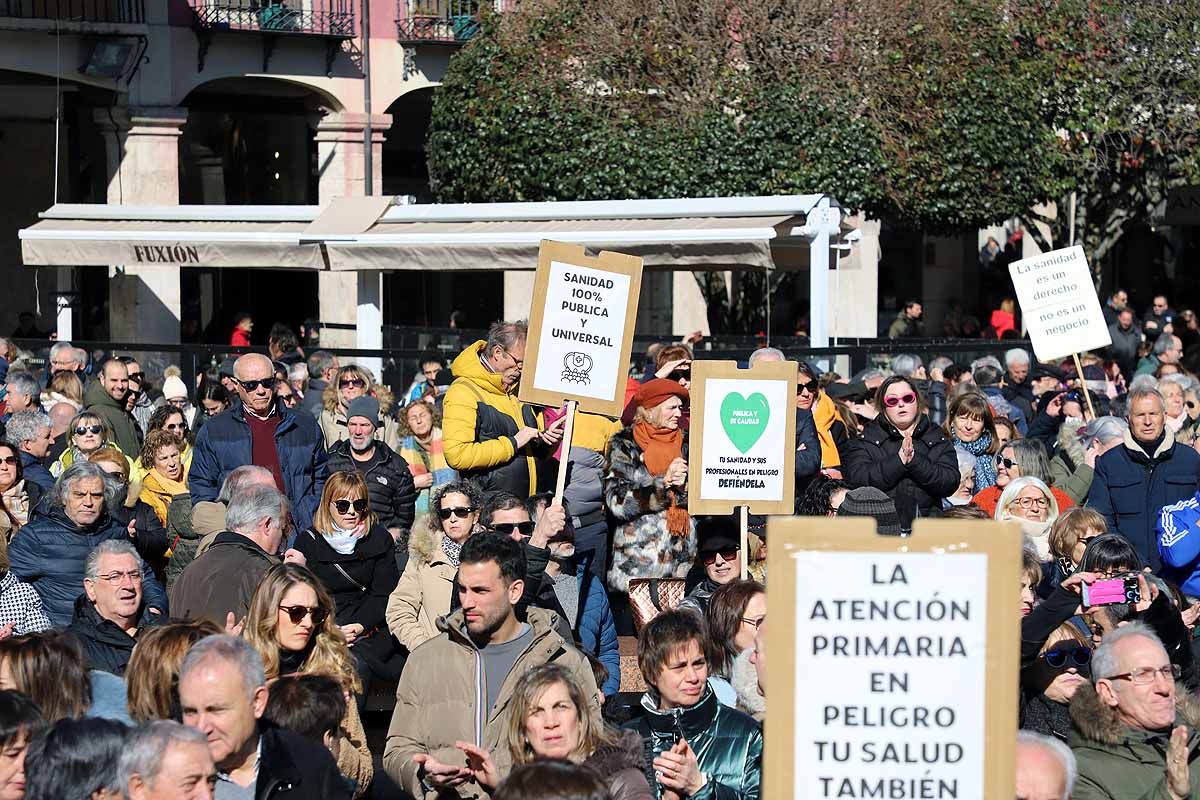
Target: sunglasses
507, 528
343, 506
685, 374
182, 426
355, 383
891, 401
810, 387
297, 614
10, 460
1073, 657
137, 377
1190, 404
86, 429
458, 511
727, 555
252, 386
1007, 463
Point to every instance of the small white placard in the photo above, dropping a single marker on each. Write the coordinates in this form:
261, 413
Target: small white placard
1059, 304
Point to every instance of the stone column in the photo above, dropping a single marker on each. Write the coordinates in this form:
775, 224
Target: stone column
142, 148
341, 164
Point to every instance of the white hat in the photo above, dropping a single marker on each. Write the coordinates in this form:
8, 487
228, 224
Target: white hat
173, 388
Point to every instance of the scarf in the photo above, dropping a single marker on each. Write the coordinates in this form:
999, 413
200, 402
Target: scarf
825, 413
660, 447
158, 489
1037, 534
16, 504
342, 540
452, 549
985, 465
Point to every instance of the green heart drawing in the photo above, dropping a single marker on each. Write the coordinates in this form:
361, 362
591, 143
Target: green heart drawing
744, 419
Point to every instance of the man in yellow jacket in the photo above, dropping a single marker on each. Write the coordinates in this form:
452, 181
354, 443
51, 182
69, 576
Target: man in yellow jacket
487, 434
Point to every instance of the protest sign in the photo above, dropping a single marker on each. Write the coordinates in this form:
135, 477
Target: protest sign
892, 662
1059, 304
581, 329
742, 440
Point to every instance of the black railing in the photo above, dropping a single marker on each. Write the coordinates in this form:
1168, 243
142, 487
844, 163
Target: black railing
313, 17
120, 11
442, 21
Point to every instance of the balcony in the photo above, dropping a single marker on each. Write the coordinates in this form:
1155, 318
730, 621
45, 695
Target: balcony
109, 11
331, 21
441, 21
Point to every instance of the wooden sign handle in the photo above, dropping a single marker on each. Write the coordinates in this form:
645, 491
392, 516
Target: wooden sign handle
565, 452
745, 542
1083, 384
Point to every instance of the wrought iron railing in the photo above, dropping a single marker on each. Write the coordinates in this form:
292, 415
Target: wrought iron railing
316, 17
441, 21
120, 11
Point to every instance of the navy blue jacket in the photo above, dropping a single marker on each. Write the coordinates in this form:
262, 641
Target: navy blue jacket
596, 629
223, 445
35, 472
1130, 489
50, 553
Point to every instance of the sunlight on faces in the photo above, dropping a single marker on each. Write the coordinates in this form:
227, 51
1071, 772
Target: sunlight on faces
295, 636
1040, 775
722, 570
1005, 473
666, 415
805, 398
216, 701
117, 590
251, 368
486, 601
756, 609
1031, 504
85, 500
8, 466
361, 433
350, 387
508, 362
351, 518
458, 528
1173, 394
968, 427
213, 407
680, 681
1148, 706
903, 414
39, 445
1081, 545
1019, 371
115, 380
552, 727
186, 772
168, 463
1061, 683
1004, 433
420, 420
12, 768
1028, 597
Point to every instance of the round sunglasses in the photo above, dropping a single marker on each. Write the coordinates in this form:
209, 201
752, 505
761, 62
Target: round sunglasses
343, 506
891, 401
297, 614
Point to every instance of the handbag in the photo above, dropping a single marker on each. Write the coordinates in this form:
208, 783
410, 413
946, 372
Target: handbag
649, 597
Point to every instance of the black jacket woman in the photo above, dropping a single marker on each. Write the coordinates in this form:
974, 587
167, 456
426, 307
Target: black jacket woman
903, 454
352, 553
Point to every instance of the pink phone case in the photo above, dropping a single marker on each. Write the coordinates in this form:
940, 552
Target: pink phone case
1104, 592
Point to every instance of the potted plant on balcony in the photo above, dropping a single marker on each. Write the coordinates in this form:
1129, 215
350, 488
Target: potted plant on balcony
274, 15
464, 18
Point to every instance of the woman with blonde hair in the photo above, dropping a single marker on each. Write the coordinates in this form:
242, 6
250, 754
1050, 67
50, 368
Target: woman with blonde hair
87, 433
355, 381
152, 675
551, 718
291, 624
64, 387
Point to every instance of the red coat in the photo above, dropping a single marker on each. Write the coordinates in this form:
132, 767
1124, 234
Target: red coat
1003, 321
239, 338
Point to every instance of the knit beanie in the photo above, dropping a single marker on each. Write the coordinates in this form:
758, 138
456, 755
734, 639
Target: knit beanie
867, 501
366, 407
173, 388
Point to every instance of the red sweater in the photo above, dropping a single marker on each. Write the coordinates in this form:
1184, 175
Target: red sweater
262, 444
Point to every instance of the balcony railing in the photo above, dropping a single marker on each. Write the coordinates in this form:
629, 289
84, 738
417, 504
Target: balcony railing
334, 18
441, 21
119, 11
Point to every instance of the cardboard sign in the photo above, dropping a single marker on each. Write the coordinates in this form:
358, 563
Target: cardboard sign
581, 329
891, 662
742, 442
1058, 300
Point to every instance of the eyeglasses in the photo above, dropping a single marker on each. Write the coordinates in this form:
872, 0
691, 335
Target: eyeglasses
11, 460
757, 623
351, 383
343, 506
811, 387
458, 511
83, 430
1033, 502
507, 528
252, 386
117, 578
1144, 675
1007, 463
297, 614
891, 401
1074, 657
178, 402
289, 400
518, 361
727, 555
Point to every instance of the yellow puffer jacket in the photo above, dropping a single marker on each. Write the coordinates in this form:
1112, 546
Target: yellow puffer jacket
479, 422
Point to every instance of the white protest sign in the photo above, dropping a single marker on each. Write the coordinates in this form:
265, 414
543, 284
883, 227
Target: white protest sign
1058, 300
581, 329
742, 445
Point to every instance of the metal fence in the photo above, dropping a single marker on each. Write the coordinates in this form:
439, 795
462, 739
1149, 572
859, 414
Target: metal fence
316, 17
442, 21
121, 11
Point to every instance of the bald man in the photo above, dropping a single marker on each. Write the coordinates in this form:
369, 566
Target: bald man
1045, 768
260, 431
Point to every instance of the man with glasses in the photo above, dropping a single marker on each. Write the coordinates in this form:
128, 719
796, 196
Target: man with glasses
138, 402
487, 434
107, 397
111, 612
265, 433
1130, 739
1151, 471
1159, 319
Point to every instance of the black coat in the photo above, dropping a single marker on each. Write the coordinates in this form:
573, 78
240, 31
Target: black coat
389, 483
294, 768
873, 459
105, 646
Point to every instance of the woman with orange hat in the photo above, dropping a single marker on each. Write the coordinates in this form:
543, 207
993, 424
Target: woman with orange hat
645, 489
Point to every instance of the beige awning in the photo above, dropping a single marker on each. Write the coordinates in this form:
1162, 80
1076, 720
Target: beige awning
681, 243
192, 243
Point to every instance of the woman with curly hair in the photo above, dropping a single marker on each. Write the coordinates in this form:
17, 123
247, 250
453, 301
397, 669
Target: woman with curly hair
421, 446
355, 381
291, 624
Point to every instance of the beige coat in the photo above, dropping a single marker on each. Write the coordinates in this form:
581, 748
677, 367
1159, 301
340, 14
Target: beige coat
354, 757
424, 591
441, 690
333, 428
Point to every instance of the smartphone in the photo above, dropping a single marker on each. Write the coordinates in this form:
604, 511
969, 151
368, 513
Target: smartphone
1108, 592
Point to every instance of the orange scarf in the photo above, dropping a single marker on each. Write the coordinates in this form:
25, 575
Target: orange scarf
661, 446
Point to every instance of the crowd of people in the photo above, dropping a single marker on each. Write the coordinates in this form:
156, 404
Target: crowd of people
201, 589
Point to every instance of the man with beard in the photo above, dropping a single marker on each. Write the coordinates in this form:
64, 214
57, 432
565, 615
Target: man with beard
455, 687
389, 481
